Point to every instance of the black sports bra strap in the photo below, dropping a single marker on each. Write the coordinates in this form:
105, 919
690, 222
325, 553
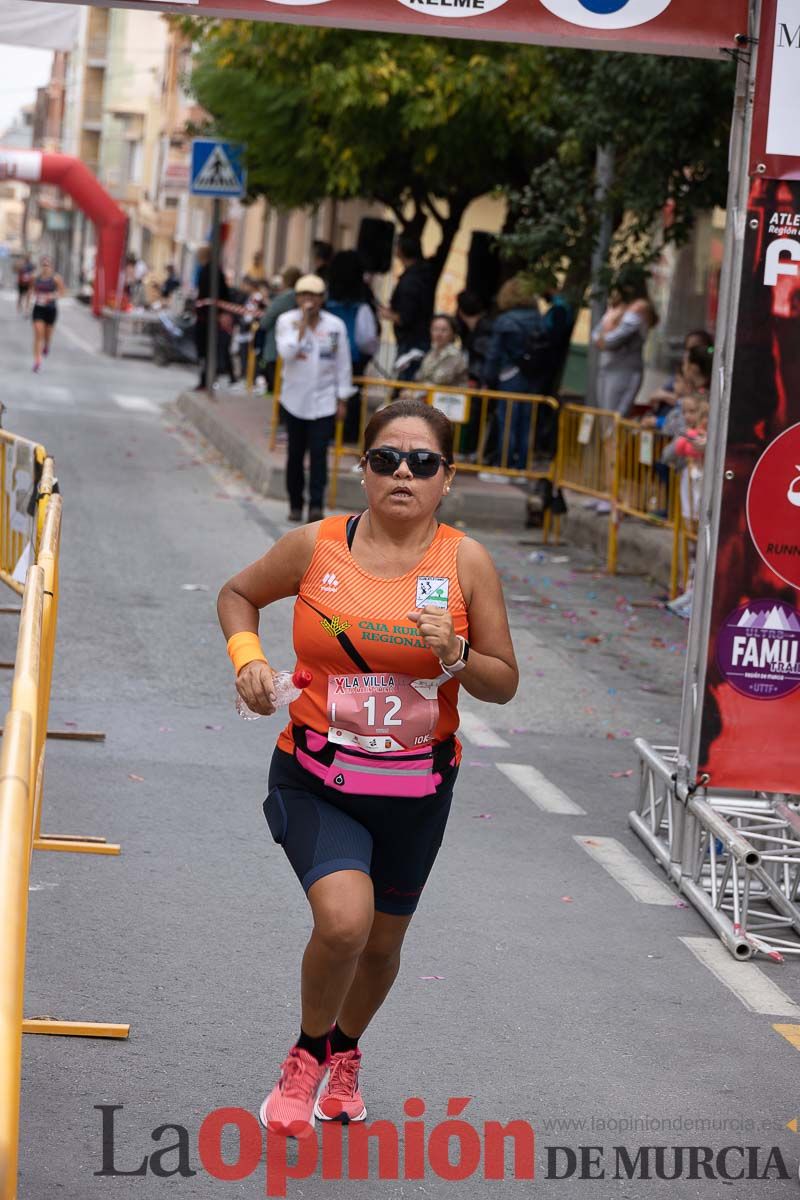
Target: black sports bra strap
352, 526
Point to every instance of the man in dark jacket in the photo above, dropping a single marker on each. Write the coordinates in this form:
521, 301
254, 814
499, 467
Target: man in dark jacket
411, 306
205, 316
475, 330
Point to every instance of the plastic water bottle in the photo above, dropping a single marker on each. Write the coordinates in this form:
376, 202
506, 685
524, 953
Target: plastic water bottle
287, 687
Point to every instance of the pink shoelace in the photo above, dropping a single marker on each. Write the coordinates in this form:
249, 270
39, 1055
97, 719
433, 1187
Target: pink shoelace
298, 1079
344, 1075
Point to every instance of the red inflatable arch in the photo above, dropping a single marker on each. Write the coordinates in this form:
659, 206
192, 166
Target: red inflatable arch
110, 221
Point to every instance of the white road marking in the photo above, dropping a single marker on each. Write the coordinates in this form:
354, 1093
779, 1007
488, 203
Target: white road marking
476, 730
627, 870
53, 393
747, 981
540, 790
78, 341
135, 403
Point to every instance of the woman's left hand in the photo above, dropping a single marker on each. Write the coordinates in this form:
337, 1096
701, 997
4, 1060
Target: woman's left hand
436, 630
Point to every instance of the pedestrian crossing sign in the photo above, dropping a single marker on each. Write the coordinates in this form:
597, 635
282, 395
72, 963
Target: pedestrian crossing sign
217, 168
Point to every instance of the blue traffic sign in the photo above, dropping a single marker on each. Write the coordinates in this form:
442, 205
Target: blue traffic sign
217, 168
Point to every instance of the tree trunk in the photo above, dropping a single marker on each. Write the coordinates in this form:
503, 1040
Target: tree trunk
449, 227
604, 182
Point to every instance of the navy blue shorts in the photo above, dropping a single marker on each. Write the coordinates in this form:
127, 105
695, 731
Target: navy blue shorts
394, 840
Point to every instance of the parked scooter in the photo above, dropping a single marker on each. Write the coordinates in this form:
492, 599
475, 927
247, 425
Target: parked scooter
173, 339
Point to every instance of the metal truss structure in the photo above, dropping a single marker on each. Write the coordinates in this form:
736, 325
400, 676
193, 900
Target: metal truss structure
734, 856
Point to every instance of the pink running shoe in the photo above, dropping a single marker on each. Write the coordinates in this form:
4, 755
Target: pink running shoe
340, 1099
289, 1108
37, 366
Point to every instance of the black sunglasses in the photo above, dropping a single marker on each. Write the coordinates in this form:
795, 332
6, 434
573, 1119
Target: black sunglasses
423, 464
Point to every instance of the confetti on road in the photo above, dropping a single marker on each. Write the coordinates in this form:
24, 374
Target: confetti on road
137, 778
215, 728
430, 977
195, 587
484, 817
621, 774
567, 899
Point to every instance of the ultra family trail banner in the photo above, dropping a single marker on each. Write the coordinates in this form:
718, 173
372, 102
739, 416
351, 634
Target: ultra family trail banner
686, 27
751, 709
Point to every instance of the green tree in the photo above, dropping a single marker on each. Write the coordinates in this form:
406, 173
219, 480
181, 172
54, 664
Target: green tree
664, 124
423, 125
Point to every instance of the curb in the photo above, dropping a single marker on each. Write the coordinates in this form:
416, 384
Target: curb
501, 508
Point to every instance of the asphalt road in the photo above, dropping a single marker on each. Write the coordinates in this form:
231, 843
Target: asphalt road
533, 982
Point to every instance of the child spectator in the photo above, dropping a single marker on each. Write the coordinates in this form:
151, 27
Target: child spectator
664, 399
686, 453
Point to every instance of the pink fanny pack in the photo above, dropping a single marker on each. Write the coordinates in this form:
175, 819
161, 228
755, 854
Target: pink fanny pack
410, 773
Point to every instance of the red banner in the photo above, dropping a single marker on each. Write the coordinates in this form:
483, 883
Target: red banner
752, 705
701, 28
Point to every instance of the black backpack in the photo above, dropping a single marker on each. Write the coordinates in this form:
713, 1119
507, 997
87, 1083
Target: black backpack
537, 359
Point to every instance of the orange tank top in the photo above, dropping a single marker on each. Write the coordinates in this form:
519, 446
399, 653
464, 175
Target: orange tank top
371, 671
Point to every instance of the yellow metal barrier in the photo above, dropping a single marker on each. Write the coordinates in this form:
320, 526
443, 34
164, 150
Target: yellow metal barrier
473, 412
251, 355
21, 778
618, 461
48, 559
15, 857
598, 455
645, 487
20, 462
586, 445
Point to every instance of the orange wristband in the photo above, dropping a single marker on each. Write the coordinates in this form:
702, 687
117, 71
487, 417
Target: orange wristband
244, 648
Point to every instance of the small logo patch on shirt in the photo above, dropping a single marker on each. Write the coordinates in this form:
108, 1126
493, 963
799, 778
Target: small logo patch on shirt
432, 591
334, 626
329, 582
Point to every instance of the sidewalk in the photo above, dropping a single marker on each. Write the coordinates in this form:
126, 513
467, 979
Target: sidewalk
238, 426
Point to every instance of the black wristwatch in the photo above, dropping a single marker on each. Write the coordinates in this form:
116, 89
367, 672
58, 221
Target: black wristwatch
453, 668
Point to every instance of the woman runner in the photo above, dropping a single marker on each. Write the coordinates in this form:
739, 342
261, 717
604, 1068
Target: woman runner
394, 613
48, 288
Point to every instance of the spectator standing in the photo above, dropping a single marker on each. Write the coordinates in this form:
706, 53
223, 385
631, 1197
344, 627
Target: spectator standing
171, 283
255, 278
475, 330
620, 337
411, 306
507, 369
321, 255
445, 363
686, 454
25, 275
317, 382
350, 299
283, 302
205, 317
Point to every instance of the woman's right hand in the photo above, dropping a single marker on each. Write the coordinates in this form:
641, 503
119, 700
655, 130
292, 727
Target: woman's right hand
255, 686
